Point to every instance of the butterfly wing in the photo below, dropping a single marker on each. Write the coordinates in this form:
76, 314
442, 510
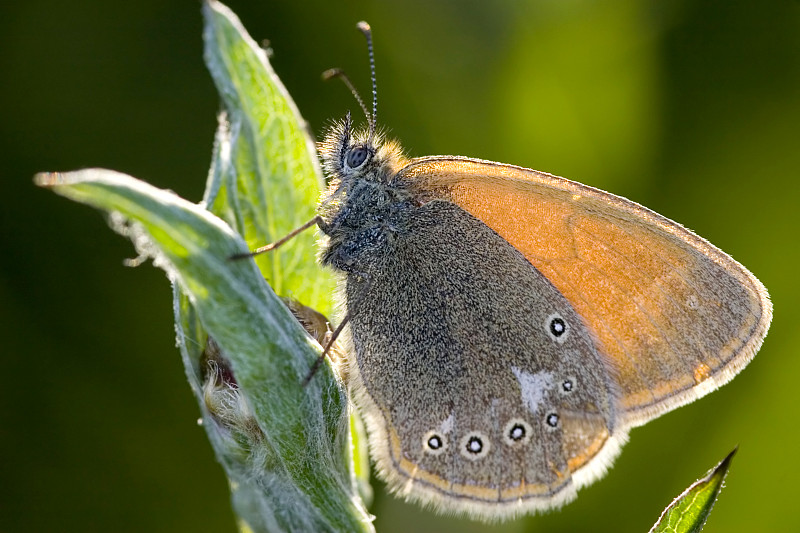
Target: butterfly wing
481, 386
673, 315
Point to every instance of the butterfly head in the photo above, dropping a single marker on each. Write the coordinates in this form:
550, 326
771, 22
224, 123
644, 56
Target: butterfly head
360, 208
350, 156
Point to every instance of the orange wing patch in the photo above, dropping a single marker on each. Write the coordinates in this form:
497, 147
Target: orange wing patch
667, 309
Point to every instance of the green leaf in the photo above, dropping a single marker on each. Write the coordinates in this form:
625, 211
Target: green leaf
265, 179
689, 511
284, 446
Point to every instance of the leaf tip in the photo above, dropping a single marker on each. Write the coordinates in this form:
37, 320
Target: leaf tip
725, 462
48, 179
689, 511
722, 468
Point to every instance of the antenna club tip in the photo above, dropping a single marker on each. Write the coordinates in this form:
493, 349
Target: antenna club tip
364, 27
331, 73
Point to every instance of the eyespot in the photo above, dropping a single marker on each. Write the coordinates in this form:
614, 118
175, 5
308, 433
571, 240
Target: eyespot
557, 328
551, 420
475, 446
517, 432
357, 156
567, 385
434, 443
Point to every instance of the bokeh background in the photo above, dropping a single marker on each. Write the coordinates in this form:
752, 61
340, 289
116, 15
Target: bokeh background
689, 107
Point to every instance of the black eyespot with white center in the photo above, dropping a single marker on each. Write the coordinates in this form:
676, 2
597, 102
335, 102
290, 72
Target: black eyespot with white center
434, 443
557, 328
356, 157
517, 432
552, 420
475, 445
568, 385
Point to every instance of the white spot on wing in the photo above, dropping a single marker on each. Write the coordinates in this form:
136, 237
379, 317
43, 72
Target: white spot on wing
447, 425
533, 386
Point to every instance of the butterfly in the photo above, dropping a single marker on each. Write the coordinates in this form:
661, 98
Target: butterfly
506, 327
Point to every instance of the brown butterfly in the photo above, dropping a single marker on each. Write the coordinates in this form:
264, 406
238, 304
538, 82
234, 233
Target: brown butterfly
507, 327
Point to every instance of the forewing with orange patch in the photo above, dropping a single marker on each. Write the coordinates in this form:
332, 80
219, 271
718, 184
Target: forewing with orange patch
674, 316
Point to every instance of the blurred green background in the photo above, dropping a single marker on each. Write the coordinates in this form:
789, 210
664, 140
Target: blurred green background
689, 107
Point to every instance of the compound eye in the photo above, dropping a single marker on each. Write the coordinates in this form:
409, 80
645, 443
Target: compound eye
357, 156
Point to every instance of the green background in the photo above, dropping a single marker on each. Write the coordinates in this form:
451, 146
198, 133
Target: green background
691, 108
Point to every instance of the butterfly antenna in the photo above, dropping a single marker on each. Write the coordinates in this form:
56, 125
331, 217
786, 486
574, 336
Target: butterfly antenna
367, 31
339, 73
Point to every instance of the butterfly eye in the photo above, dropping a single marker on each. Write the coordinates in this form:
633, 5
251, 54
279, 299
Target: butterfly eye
357, 156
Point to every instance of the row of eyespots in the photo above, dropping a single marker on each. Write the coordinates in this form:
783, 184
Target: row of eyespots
476, 445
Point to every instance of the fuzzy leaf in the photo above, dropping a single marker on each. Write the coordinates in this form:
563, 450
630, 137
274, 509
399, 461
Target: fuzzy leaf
291, 470
265, 180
